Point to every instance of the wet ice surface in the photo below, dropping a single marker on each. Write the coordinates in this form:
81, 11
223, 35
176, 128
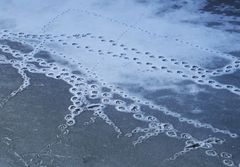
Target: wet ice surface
119, 83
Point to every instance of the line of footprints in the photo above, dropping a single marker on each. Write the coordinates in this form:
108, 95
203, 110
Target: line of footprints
93, 98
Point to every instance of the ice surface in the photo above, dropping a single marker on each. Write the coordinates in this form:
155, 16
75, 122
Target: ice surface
116, 81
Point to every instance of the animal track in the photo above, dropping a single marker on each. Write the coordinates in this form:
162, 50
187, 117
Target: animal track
92, 98
163, 109
182, 69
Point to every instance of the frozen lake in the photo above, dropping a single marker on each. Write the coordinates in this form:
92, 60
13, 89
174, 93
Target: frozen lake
119, 83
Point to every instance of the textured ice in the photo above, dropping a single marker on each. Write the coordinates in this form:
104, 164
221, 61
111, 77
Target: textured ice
119, 83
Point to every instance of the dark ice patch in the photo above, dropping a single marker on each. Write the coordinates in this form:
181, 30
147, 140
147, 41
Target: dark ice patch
44, 55
213, 24
235, 53
231, 7
231, 79
17, 46
216, 62
8, 55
